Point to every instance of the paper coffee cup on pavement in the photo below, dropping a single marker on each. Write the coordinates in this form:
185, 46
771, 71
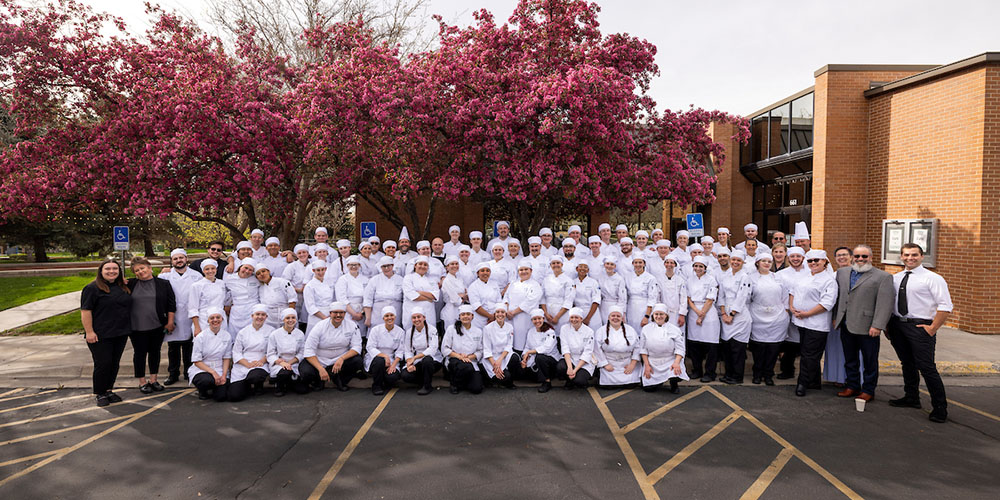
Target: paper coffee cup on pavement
859, 404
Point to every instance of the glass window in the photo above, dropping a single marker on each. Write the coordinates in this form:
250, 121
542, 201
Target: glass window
802, 122
773, 196
758, 197
758, 138
797, 193
778, 132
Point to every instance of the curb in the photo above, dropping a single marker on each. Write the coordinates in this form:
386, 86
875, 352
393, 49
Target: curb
948, 368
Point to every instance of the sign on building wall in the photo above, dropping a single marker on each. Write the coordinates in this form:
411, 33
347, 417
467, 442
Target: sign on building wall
368, 230
897, 232
695, 225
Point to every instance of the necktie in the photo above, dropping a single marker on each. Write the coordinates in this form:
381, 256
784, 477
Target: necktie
901, 300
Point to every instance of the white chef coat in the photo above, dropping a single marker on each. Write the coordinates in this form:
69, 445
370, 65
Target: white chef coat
549, 251
734, 295
617, 347
298, 274
542, 343
569, 267
250, 344
276, 264
821, 289
328, 342
525, 295
701, 290
586, 293
369, 266
466, 273
769, 309
614, 292
485, 295
205, 294
926, 293
211, 348
382, 341
243, 293
317, 296
643, 292
181, 284
539, 266
401, 260
412, 284
502, 272
421, 342
761, 246
477, 256
558, 293
351, 290
452, 289
673, 294
285, 345
661, 344
579, 344
435, 269
452, 248
790, 278
496, 341
276, 295
470, 342
504, 242
383, 291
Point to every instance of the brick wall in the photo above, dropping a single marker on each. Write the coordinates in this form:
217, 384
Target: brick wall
734, 193
468, 215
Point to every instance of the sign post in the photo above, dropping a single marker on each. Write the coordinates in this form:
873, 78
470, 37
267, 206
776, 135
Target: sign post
119, 234
695, 225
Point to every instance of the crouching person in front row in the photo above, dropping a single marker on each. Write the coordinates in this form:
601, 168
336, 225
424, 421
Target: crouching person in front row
284, 351
332, 351
211, 359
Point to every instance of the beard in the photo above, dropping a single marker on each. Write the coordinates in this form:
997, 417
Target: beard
862, 268
181, 265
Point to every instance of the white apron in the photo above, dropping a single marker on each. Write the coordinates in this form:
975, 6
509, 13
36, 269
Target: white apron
251, 345
699, 291
610, 347
661, 344
769, 310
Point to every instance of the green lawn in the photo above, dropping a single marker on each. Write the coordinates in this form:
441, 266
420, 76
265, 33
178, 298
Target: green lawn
63, 324
22, 290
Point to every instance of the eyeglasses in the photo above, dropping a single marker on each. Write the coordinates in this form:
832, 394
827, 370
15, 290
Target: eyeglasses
782, 238
813, 260
214, 249
856, 256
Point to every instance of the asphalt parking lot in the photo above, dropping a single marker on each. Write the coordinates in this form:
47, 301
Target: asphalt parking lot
709, 441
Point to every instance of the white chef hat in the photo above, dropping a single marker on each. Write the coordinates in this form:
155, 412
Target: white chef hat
404, 234
764, 255
417, 310
423, 244
701, 259
594, 239
374, 239
796, 251
722, 251
454, 228
364, 243
389, 243
212, 311
569, 242
513, 241
683, 234
801, 231
608, 258
318, 264
657, 230
464, 248
660, 307
343, 243
476, 234
354, 259
534, 240
337, 306
750, 226
574, 228
575, 311
621, 227
816, 254
545, 231
322, 246
388, 310
707, 240
626, 240
722, 230
524, 263
449, 259
642, 232
663, 242
422, 258
386, 261
258, 308
503, 223
243, 244
615, 309
670, 256
738, 254
208, 263
639, 256
178, 251
536, 312
321, 229
257, 232
695, 247
483, 265
466, 308
604, 226
249, 261
583, 262
558, 258
300, 246
272, 239
260, 267
496, 244
288, 311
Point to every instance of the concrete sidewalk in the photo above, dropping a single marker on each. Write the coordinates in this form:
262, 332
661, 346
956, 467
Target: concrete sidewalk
37, 311
64, 360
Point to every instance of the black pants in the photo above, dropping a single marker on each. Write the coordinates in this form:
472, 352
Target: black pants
239, 390
734, 355
284, 381
789, 351
545, 368
915, 349
107, 355
350, 369
511, 371
859, 348
582, 378
146, 346
699, 352
465, 376
206, 387
381, 379
655, 387
425, 370
765, 355
179, 351
813, 343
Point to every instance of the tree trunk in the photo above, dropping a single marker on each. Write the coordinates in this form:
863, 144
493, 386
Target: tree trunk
38, 241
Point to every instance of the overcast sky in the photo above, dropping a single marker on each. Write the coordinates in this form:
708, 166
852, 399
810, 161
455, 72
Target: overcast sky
739, 56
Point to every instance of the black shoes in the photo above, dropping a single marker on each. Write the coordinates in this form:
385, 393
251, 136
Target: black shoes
378, 391
340, 385
453, 389
279, 393
756, 380
156, 386
905, 402
938, 415
732, 381
171, 380
102, 400
800, 390
708, 378
673, 386
114, 398
545, 387
424, 391
146, 388
768, 381
785, 376
203, 397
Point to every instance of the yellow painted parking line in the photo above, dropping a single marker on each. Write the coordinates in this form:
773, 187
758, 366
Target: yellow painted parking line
967, 407
351, 446
617, 395
70, 449
12, 391
659, 411
40, 403
696, 445
65, 429
837, 483
764, 480
89, 408
619, 434
31, 457
28, 395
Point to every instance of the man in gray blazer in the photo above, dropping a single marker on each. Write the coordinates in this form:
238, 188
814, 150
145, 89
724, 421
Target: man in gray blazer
864, 307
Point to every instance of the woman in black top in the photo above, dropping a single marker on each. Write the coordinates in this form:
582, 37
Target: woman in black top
105, 310
153, 308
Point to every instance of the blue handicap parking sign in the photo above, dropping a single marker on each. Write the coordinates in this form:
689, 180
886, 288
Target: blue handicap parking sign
695, 225
120, 237
367, 229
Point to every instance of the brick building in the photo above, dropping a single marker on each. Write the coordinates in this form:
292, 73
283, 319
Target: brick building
869, 144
